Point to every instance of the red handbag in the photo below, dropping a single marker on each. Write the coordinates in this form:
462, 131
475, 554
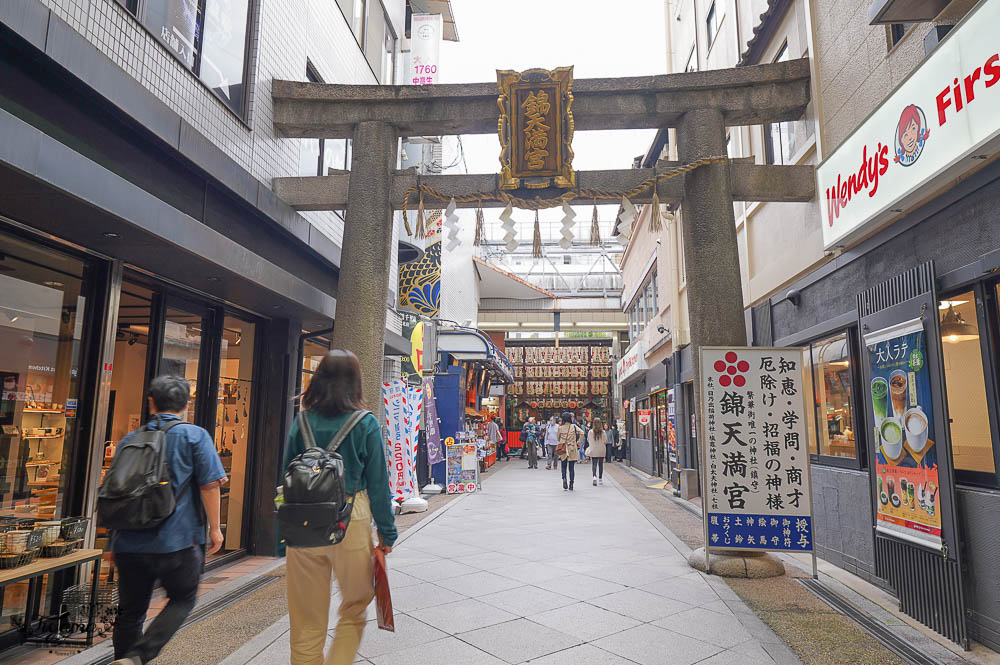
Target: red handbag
383, 599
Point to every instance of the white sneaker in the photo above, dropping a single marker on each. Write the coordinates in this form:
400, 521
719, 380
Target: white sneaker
595, 482
601, 481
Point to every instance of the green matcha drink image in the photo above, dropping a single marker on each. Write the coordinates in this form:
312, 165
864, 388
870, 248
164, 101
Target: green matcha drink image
880, 398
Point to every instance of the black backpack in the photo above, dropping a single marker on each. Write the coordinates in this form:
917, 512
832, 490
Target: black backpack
317, 508
136, 492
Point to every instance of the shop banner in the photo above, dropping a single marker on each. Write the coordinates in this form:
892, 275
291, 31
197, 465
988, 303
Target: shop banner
415, 404
899, 391
462, 475
644, 417
397, 418
432, 426
425, 48
756, 447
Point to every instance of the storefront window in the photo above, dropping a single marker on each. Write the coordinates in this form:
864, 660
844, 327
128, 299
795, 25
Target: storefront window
182, 350
834, 399
42, 309
644, 414
314, 349
233, 420
965, 381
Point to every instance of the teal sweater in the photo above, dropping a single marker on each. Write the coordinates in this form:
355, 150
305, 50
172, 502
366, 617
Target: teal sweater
364, 464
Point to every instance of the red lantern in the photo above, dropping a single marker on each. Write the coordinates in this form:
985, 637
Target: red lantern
534, 405
572, 405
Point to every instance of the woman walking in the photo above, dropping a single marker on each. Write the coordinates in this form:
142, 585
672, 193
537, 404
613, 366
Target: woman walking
333, 395
570, 437
597, 439
531, 442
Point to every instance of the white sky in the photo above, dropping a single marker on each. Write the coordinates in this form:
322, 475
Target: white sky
599, 39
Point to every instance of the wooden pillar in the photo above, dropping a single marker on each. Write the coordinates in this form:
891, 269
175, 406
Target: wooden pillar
364, 267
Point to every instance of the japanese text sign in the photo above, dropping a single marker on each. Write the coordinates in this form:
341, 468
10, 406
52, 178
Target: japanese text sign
899, 392
425, 49
756, 449
536, 128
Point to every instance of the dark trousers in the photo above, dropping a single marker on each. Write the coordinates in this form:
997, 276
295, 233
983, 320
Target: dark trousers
502, 450
572, 470
598, 466
532, 454
179, 574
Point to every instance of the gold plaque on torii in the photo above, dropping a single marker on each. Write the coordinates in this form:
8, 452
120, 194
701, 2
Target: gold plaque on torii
536, 128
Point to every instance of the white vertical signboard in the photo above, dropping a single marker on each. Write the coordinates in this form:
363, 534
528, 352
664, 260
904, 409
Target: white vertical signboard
425, 48
756, 478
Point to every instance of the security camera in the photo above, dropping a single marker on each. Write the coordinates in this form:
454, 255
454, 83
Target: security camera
794, 296
661, 329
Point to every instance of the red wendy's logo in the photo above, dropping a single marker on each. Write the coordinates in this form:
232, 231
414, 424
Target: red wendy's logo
731, 370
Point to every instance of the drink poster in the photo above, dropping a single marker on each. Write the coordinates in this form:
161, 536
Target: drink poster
462, 468
906, 484
756, 446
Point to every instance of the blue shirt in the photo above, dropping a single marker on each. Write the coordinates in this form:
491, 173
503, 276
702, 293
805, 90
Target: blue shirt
191, 456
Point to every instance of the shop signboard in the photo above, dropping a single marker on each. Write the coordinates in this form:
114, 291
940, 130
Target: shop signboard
633, 361
425, 48
462, 469
644, 417
899, 391
432, 426
756, 447
934, 127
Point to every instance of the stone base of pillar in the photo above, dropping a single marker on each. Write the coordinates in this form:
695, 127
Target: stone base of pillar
752, 565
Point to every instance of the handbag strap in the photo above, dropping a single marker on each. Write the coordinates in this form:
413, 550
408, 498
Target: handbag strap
338, 438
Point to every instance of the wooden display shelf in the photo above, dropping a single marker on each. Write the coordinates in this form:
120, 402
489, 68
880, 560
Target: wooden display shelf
46, 436
41, 463
42, 410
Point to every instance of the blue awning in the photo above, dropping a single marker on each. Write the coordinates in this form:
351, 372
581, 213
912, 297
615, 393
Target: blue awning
476, 346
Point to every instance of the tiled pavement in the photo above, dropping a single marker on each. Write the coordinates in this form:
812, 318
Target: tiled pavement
524, 572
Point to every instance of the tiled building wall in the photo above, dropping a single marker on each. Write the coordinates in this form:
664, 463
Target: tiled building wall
284, 36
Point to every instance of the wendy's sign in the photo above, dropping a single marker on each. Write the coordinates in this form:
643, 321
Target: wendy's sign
933, 128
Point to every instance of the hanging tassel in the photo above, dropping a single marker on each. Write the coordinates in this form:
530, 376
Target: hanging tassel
421, 231
595, 229
536, 249
480, 226
655, 221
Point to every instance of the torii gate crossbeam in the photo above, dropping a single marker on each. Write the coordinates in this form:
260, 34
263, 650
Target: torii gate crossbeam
700, 105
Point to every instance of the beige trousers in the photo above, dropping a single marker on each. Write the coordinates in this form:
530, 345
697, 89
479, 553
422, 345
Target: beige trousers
309, 571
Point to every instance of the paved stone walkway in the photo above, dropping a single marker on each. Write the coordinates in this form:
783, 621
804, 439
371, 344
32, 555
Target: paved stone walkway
524, 572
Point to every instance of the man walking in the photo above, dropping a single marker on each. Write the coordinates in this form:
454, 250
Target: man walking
551, 441
531, 442
174, 552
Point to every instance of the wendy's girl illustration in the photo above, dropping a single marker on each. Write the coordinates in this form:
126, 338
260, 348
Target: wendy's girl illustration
911, 134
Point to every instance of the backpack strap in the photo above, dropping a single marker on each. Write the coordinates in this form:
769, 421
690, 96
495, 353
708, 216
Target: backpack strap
306, 431
342, 433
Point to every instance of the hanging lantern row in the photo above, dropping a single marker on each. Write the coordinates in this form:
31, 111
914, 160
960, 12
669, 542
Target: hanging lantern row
626, 218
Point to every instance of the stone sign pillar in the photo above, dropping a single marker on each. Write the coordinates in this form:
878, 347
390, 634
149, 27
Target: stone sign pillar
365, 257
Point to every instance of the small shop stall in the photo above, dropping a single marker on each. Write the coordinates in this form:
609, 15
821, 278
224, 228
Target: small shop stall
469, 366
549, 380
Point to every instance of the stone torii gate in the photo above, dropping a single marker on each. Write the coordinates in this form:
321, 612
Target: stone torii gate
700, 105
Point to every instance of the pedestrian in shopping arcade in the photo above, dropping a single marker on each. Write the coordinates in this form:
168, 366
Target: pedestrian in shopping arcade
570, 437
496, 438
333, 395
172, 553
531, 432
615, 439
551, 441
597, 449
583, 446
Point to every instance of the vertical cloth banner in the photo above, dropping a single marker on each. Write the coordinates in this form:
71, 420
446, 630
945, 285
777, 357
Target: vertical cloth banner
397, 422
899, 392
756, 445
425, 48
432, 427
415, 404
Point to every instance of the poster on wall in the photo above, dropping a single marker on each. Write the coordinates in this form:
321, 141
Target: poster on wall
756, 447
899, 398
645, 416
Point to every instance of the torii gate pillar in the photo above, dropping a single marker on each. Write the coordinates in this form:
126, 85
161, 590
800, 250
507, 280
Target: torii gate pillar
367, 251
